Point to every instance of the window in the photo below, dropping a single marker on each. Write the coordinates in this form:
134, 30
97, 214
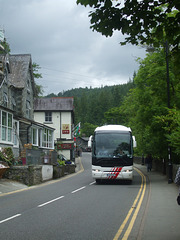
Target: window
6, 126
34, 136
48, 116
47, 138
28, 108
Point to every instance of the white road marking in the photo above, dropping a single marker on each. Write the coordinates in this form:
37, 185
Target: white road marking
7, 219
92, 183
41, 205
78, 189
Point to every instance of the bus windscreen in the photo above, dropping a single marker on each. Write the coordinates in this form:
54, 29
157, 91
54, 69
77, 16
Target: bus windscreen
112, 145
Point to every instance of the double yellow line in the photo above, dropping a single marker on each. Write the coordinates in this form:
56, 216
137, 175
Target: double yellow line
136, 205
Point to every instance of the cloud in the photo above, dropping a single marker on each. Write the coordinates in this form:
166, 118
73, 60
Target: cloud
58, 36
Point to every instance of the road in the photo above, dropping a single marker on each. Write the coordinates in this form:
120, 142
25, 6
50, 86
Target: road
75, 208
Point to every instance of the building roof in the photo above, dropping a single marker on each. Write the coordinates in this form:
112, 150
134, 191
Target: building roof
54, 104
19, 69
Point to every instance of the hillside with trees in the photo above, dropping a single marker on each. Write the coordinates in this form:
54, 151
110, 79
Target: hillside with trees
140, 104
92, 103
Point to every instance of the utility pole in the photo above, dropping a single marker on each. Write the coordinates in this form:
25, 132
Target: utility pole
168, 103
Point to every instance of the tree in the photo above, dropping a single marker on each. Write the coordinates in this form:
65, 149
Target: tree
5, 46
37, 75
147, 102
115, 116
171, 124
141, 21
88, 129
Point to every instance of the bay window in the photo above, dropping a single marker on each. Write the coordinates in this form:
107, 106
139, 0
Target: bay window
6, 125
47, 138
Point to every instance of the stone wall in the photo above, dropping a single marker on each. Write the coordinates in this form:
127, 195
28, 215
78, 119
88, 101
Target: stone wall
36, 174
29, 175
69, 168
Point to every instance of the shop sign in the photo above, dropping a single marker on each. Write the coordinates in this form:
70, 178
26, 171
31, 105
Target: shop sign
65, 129
65, 146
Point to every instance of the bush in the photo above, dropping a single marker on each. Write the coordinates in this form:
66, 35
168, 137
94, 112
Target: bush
6, 155
61, 162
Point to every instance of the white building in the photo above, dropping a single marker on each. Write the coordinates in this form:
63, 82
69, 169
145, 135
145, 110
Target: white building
58, 113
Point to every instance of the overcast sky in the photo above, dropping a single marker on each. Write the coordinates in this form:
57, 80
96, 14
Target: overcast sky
57, 34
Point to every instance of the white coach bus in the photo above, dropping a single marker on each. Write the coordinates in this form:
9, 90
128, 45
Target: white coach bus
112, 153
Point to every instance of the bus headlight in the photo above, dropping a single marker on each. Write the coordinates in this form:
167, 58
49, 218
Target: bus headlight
127, 171
96, 170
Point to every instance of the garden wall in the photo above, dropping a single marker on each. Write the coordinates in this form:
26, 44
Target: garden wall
36, 174
29, 175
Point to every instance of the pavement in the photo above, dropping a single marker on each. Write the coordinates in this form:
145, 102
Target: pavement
161, 218
160, 215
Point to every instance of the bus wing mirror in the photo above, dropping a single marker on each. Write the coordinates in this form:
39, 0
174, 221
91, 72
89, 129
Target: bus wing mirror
90, 141
134, 142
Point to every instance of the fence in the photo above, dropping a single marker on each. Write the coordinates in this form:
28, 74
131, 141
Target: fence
160, 166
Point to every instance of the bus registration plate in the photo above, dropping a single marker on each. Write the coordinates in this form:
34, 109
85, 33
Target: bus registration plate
111, 175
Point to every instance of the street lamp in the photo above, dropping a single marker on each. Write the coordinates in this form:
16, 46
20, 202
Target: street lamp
168, 99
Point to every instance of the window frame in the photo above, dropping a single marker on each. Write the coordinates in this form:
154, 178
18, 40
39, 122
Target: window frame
47, 138
6, 127
34, 136
48, 116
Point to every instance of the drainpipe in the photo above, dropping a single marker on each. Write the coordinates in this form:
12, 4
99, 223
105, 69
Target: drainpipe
28, 132
60, 126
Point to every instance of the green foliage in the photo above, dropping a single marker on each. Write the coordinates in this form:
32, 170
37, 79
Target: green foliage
6, 47
141, 21
88, 129
37, 75
61, 162
171, 124
147, 102
6, 155
91, 104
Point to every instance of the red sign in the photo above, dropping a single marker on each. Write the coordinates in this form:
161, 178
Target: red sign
62, 146
65, 131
